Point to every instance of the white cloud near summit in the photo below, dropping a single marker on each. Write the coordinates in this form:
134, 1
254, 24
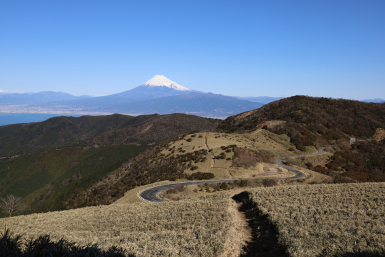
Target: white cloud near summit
3, 91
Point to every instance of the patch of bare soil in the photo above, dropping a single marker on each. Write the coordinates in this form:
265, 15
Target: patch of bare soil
212, 154
264, 235
380, 134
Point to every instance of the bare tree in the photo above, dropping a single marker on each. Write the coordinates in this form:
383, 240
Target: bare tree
11, 204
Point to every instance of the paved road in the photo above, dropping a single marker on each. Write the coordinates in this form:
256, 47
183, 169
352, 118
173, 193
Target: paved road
151, 194
298, 174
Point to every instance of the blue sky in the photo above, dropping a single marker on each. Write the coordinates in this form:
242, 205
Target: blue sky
241, 48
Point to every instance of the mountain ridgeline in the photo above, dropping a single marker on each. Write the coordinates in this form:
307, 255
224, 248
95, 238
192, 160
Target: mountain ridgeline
353, 118
157, 95
34, 98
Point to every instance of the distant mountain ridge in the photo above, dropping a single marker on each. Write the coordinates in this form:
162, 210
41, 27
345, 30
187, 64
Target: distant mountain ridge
41, 97
157, 95
260, 99
157, 87
206, 105
376, 100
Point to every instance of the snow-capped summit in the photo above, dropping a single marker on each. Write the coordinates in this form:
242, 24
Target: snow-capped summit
162, 81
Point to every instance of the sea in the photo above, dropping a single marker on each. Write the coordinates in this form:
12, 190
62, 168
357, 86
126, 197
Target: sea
13, 118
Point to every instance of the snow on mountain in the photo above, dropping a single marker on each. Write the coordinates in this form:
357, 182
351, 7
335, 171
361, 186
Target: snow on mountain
162, 81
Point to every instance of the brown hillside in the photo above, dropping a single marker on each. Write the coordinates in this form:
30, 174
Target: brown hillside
353, 118
323, 122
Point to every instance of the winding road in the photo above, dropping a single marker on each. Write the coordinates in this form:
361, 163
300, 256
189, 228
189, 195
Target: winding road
151, 194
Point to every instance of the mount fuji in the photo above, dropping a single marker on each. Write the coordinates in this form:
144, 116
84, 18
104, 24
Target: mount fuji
158, 86
157, 95
162, 81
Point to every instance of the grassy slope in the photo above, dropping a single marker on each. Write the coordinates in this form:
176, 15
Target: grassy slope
328, 219
186, 228
261, 140
177, 158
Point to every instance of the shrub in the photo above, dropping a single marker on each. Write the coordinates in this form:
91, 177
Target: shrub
269, 182
194, 168
309, 165
243, 183
11, 204
200, 176
177, 189
246, 157
224, 186
43, 246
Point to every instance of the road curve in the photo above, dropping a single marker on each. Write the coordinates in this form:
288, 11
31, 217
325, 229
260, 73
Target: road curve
151, 194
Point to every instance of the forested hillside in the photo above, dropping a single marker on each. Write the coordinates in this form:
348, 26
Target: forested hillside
47, 178
155, 130
59, 131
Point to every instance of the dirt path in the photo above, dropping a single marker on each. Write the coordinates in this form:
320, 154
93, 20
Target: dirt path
262, 234
240, 232
212, 154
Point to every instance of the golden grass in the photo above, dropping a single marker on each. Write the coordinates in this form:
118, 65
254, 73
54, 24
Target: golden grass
315, 218
261, 170
195, 227
221, 168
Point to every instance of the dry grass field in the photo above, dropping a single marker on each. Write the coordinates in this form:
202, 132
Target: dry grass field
196, 227
325, 219
214, 143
